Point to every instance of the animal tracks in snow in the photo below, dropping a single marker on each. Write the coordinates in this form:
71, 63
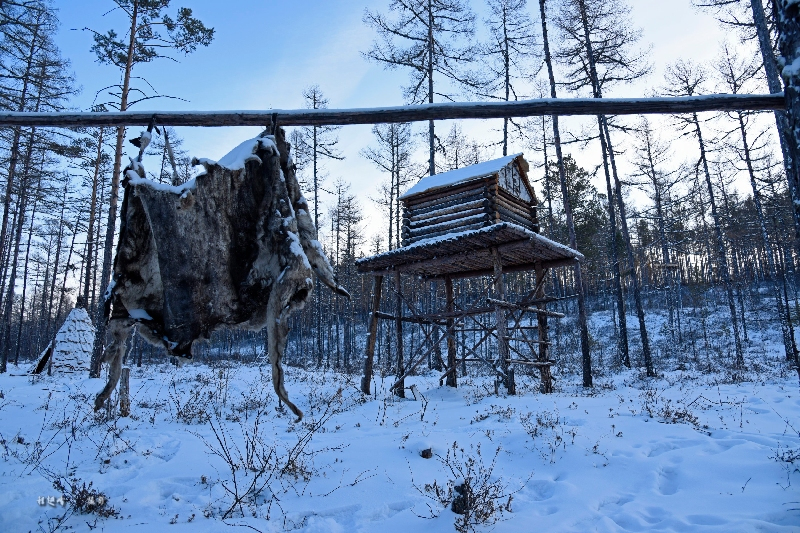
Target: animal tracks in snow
664, 455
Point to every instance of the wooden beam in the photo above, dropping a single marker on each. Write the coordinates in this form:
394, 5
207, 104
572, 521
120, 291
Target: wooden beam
399, 387
411, 113
500, 315
509, 305
372, 334
545, 376
451, 339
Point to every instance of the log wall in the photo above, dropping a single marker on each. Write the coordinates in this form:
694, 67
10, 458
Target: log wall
464, 206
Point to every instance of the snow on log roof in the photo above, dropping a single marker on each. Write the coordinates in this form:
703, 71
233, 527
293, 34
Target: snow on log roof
459, 175
468, 253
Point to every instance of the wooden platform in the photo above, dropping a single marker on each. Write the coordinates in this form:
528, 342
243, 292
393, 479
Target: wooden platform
469, 254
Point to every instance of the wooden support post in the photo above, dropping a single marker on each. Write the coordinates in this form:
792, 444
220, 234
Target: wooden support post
398, 325
544, 347
125, 392
451, 337
372, 332
500, 314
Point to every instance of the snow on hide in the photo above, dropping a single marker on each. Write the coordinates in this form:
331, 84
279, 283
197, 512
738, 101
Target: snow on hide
234, 247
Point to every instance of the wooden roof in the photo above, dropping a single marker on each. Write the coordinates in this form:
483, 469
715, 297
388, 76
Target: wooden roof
468, 253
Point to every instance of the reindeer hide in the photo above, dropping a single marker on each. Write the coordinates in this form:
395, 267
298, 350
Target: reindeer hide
234, 247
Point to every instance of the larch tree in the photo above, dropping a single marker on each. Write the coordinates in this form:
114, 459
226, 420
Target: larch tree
393, 155
429, 38
686, 79
754, 23
586, 358
458, 150
787, 22
33, 77
151, 34
737, 75
598, 50
510, 54
651, 155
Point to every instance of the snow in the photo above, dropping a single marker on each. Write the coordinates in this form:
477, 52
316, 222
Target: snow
791, 71
181, 190
139, 314
459, 175
233, 160
687, 451
614, 459
565, 250
73, 344
239, 156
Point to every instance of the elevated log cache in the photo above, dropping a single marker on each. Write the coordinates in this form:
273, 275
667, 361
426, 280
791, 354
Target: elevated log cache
469, 198
475, 221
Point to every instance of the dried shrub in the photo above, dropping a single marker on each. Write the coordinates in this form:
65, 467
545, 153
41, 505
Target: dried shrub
84, 499
473, 494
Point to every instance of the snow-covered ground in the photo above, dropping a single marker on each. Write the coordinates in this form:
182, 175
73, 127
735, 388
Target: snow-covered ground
677, 453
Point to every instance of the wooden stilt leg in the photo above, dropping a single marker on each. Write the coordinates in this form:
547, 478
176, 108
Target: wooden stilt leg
451, 337
398, 324
502, 330
124, 392
377, 283
544, 348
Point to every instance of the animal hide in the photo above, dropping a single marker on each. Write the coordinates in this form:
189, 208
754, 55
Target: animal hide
234, 247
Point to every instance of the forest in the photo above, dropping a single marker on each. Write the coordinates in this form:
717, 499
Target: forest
688, 223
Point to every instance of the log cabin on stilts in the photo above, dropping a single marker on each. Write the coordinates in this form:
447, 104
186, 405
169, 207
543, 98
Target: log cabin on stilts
471, 222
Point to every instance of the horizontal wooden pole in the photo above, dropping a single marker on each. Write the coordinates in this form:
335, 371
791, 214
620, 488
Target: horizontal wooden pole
509, 305
410, 113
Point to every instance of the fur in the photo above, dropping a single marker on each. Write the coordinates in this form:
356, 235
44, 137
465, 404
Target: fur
237, 249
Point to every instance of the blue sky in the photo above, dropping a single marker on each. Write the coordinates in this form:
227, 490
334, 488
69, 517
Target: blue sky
266, 52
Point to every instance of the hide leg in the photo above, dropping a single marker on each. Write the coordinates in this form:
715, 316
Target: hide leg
112, 355
277, 335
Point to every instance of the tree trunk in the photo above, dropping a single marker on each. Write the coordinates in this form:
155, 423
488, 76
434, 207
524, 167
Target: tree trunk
586, 360
637, 296
100, 321
623, 322
722, 256
775, 86
92, 214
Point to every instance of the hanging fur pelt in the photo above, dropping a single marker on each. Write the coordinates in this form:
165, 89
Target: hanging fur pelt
235, 246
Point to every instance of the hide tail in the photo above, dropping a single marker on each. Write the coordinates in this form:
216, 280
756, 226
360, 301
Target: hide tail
113, 355
289, 295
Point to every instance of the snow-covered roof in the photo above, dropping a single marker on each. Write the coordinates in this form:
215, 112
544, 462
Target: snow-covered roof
470, 251
487, 168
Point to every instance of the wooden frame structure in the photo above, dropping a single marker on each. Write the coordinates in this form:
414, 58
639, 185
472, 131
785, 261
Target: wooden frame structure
493, 250
470, 222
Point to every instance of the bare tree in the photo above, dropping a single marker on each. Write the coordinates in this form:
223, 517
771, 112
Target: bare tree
428, 37
586, 359
686, 79
509, 53
393, 156
598, 47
